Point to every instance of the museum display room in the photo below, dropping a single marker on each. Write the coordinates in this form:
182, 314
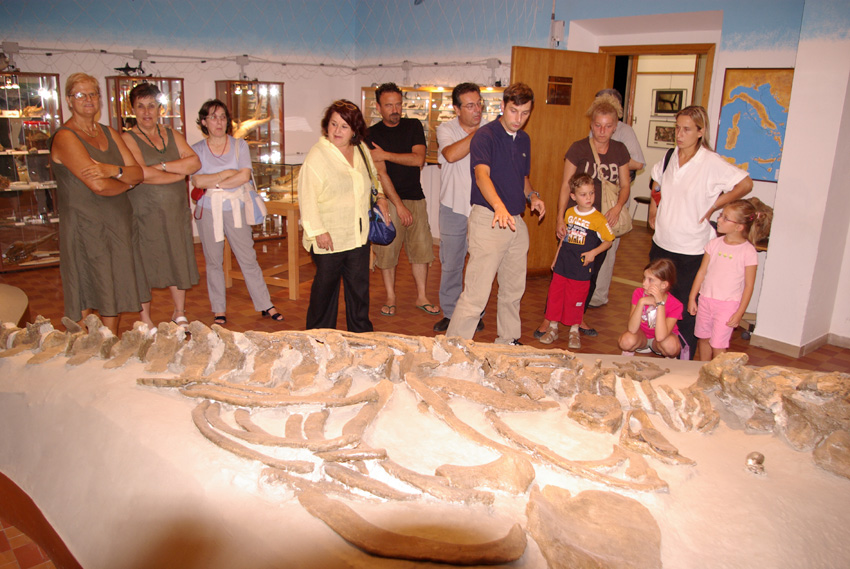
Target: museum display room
245, 448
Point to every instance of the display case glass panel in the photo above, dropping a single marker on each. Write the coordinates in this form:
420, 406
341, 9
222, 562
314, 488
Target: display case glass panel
431, 105
30, 112
121, 115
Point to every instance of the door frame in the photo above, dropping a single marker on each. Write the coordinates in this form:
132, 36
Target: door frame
707, 49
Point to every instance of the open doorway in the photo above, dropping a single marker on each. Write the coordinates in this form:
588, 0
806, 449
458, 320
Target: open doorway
656, 81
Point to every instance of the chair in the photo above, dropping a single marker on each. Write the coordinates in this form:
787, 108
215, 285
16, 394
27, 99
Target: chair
641, 200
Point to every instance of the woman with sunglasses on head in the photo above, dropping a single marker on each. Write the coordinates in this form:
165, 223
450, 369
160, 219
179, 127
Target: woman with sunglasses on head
225, 177
334, 188
100, 262
160, 208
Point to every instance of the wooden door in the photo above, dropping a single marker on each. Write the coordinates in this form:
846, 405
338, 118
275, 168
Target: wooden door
554, 127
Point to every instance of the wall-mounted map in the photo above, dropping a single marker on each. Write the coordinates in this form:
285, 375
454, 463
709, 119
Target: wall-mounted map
753, 115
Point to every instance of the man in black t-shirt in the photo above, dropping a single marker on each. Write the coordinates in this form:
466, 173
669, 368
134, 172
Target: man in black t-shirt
399, 143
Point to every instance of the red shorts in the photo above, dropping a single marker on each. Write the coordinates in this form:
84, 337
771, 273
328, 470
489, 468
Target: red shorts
566, 300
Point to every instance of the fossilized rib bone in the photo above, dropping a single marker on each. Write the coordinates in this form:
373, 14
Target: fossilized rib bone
200, 416
647, 440
377, 541
437, 486
579, 468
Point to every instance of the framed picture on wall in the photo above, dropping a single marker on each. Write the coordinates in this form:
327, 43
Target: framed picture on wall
668, 102
662, 134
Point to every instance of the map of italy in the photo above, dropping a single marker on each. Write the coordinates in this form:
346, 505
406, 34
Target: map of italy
753, 116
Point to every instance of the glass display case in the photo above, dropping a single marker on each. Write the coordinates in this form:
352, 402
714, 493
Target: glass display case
30, 112
430, 105
121, 115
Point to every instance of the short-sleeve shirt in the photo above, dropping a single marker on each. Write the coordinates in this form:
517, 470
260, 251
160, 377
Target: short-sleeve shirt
455, 177
585, 231
689, 191
213, 163
401, 139
673, 309
724, 277
509, 159
581, 155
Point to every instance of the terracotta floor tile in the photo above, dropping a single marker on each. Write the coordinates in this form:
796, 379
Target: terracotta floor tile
19, 540
7, 556
43, 287
4, 542
29, 555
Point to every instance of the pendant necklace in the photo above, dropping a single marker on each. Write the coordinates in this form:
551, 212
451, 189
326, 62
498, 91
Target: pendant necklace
159, 132
87, 133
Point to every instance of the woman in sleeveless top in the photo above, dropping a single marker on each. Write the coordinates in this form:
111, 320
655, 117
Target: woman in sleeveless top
100, 264
161, 211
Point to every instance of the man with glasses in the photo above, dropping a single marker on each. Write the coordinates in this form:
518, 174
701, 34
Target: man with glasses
454, 138
400, 143
500, 158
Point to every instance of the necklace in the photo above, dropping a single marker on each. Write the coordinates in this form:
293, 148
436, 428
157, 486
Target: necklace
87, 133
159, 132
223, 150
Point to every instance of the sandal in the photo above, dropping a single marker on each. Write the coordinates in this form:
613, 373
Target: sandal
277, 316
220, 320
183, 322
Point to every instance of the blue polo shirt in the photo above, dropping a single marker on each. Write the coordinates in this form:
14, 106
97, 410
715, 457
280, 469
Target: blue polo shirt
509, 158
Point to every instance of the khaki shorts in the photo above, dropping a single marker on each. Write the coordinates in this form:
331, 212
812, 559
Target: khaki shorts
416, 238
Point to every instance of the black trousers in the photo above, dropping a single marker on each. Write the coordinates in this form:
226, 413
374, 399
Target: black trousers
353, 268
687, 267
597, 264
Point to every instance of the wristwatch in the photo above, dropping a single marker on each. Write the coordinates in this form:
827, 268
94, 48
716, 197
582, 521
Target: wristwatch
120, 173
531, 193
661, 303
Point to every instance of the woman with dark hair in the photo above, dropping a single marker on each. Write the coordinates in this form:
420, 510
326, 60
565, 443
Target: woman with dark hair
696, 183
160, 208
101, 267
334, 195
225, 175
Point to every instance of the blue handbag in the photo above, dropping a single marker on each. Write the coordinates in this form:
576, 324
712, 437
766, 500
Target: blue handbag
381, 231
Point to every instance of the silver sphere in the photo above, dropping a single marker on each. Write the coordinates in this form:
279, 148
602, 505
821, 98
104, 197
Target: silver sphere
755, 462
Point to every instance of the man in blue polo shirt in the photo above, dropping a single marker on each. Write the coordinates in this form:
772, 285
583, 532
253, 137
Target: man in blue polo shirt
500, 158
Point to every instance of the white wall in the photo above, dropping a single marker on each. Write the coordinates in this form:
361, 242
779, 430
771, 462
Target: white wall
799, 300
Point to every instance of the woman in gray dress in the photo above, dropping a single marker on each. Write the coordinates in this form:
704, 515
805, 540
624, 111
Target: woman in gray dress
160, 204
100, 264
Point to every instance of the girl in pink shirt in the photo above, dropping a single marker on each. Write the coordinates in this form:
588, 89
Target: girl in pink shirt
727, 275
654, 313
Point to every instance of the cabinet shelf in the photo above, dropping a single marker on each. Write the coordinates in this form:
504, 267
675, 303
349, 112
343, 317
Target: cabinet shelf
430, 105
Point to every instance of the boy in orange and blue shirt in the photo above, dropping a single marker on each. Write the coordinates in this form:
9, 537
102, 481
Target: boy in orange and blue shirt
587, 236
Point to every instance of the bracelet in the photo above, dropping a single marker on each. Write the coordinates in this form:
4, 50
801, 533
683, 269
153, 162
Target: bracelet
531, 193
163, 167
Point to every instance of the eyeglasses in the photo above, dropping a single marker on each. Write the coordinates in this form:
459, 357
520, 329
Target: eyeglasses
473, 106
91, 96
721, 217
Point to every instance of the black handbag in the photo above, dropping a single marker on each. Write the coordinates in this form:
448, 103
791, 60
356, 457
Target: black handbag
381, 231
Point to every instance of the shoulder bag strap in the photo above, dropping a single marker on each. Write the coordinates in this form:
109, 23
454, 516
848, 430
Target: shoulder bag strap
371, 175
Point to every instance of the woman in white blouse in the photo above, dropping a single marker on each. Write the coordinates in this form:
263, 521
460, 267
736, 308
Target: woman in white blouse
334, 188
695, 183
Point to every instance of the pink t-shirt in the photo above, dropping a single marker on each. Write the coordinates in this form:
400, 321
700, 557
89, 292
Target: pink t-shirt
672, 307
724, 278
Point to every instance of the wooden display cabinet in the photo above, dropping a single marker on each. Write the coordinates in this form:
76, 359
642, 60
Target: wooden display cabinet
30, 112
256, 108
431, 105
121, 115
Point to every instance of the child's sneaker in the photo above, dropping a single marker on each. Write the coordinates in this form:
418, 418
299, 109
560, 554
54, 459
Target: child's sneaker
549, 336
625, 353
575, 340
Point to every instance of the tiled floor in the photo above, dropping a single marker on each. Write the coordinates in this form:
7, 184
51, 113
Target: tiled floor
44, 289
17, 551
